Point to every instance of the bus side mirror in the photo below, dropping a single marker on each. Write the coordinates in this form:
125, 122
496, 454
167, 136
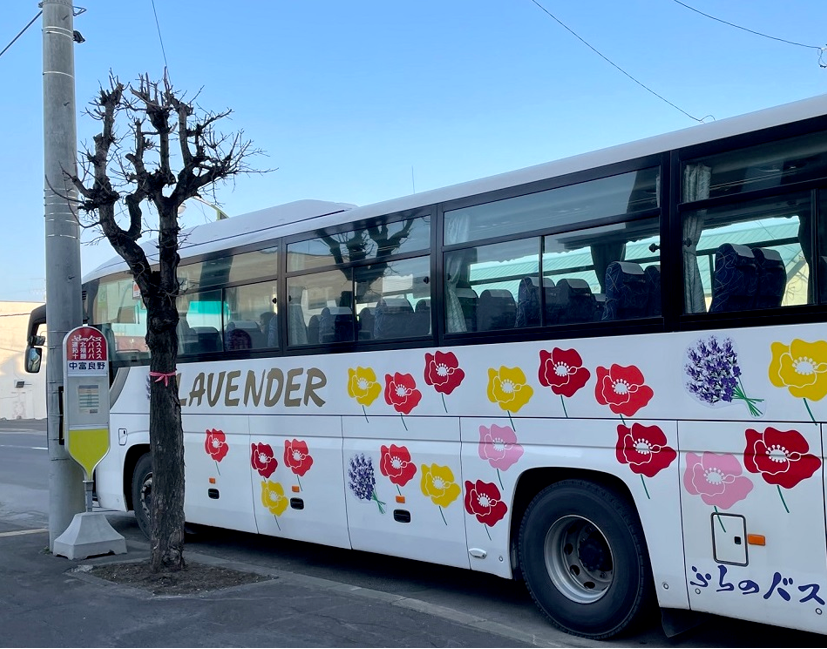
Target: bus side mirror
34, 356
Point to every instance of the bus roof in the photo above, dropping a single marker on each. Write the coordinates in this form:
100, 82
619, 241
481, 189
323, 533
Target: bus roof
306, 215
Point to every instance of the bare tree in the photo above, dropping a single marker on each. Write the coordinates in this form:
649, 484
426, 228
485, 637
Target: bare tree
123, 174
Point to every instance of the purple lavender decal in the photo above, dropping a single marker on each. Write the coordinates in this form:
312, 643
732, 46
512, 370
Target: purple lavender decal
713, 375
362, 480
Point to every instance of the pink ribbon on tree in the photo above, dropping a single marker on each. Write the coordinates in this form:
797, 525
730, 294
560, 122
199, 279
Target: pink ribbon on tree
163, 376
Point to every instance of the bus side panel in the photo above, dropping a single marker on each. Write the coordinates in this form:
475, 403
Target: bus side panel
590, 446
754, 521
307, 472
218, 482
125, 431
405, 501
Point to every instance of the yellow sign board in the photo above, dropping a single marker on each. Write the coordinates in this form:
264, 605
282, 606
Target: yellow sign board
88, 446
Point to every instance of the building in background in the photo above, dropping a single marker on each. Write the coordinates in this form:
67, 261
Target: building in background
22, 395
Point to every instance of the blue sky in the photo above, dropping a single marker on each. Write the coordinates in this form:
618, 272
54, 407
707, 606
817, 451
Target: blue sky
347, 98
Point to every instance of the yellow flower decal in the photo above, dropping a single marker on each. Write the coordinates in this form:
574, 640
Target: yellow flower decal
508, 388
438, 484
362, 385
272, 496
801, 367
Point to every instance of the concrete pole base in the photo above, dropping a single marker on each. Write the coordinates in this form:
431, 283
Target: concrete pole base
89, 535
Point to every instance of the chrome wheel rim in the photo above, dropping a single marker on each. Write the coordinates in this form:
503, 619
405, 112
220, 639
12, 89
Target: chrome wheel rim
579, 559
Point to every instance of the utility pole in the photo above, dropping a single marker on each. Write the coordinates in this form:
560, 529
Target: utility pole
63, 289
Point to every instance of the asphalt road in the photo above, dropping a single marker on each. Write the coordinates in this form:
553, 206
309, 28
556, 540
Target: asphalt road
446, 592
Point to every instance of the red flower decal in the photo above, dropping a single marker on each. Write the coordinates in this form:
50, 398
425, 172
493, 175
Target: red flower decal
622, 389
297, 457
262, 459
644, 449
401, 392
482, 499
443, 372
396, 464
216, 444
562, 370
780, 457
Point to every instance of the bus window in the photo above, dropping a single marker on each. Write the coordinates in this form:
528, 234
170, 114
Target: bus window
393, 299
326, 302
752, 255
199, 322
249, 306
119, 313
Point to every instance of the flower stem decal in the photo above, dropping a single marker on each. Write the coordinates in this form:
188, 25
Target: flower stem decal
442, 371
508, 388
216, 446
781, 457
272, 497
362, 386
713, 375
562, 370
297, 457
498, 445
483, 500
644, 449
438, 484
401, 393
362, 480
801, 367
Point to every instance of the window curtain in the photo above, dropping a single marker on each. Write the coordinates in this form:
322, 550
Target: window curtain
456, 230
696, 178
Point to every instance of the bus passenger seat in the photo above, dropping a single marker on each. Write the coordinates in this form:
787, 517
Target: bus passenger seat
497, 310
653, 304
254, 338
528, 302
422, 318
209, 340
313, 330
772, 278
626, 291
736, 279
574, 301
366, 321
335, 324
394, 318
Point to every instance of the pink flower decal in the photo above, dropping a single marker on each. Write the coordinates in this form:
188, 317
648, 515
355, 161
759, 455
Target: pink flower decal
644, 449
716, 478
443, 372
498, 445
297, 457
781, 457
622, 389
562, 370
216, 446
401, 393
262, 459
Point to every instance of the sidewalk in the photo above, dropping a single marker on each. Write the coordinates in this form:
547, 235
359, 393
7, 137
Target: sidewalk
48, 602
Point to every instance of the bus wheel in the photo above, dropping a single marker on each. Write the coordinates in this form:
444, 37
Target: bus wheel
584, 559
142, 493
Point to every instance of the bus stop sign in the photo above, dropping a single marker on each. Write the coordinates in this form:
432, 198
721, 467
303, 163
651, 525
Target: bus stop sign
86, 397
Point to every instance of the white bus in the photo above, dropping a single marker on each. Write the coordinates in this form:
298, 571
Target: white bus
603, 375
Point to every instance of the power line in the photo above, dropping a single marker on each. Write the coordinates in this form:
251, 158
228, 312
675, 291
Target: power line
612, 63
158, 27
751, 31
21, 33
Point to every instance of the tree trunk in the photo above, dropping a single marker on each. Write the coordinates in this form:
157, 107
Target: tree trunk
166, 438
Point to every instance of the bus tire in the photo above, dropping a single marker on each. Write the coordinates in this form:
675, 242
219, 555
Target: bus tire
584, 559
142, 493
